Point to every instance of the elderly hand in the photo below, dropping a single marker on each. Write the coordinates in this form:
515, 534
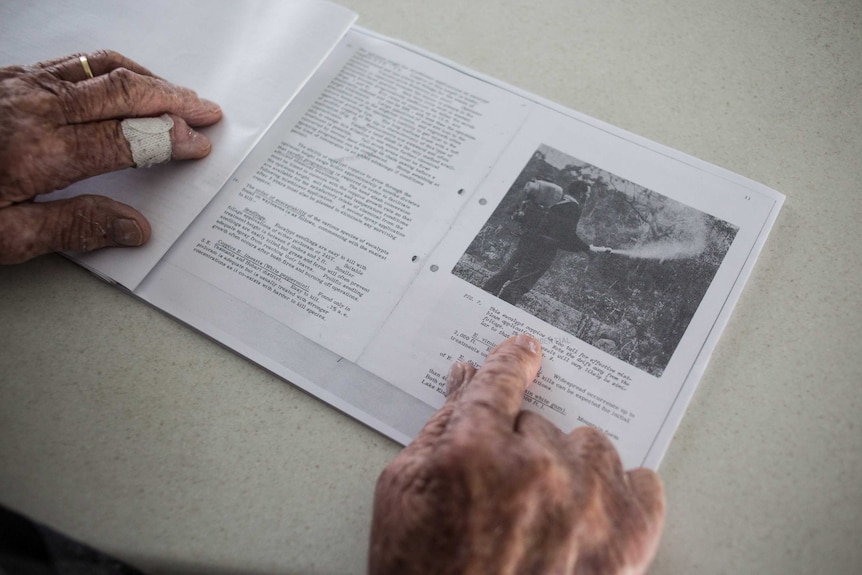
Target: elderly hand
487, 488
58, 126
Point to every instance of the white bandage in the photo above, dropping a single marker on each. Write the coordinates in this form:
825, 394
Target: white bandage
149, 139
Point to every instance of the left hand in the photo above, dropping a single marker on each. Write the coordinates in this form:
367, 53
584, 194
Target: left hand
487, 488
57, 126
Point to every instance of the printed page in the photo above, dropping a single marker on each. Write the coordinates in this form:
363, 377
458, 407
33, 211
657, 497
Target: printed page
250, 57
626, 328
359, 265
334, 213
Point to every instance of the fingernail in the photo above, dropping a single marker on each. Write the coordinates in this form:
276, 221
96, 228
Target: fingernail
211, 106
127, 232
200, 141
194, 146
527, 342
456, 374
456, 377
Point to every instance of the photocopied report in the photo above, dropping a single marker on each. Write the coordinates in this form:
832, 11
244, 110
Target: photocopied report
372, 213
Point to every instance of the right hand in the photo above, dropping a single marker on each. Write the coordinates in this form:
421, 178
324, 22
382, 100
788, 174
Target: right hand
488, 488
57, 126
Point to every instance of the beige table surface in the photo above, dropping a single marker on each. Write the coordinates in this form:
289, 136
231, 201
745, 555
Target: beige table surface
132, 432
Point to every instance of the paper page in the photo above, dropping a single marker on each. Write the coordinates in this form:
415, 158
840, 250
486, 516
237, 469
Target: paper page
250, 57
323, 217
622, 332
276, 347
329, 219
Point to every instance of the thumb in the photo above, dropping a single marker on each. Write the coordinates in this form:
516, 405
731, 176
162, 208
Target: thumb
83, 223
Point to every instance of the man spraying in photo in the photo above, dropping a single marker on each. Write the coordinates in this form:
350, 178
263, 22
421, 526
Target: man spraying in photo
549, 220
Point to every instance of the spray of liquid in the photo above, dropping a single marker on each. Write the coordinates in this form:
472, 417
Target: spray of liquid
664, 251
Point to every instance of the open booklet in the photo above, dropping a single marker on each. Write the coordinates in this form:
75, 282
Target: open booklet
372, 213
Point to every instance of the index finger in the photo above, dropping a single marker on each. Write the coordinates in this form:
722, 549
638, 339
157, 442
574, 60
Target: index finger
122, 93
495, 393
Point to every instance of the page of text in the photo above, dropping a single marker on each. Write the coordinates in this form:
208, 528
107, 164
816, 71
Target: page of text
331, 217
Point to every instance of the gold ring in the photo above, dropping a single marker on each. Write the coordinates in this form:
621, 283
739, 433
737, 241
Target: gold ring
87, 70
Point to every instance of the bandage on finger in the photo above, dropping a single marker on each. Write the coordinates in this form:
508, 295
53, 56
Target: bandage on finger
149, 139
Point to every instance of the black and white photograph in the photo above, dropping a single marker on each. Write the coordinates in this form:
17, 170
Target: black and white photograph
616, 265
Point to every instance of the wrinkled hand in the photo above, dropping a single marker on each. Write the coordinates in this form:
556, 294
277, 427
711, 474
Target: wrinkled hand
58, 126
487, 488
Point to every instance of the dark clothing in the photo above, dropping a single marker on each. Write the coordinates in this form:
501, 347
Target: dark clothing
561, 225
523, 268
545, 230
28, 548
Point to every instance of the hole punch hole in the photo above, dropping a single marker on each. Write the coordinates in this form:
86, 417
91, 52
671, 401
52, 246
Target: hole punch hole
435, 267
482, 201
